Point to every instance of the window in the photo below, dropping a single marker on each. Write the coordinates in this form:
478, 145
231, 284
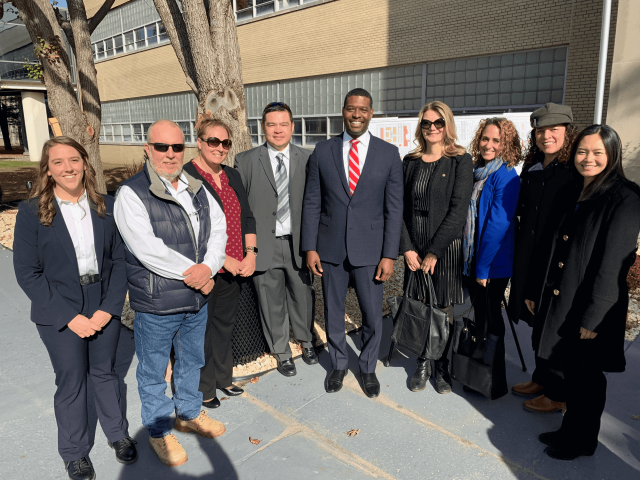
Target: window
336, 126
118, 44
164, 36
139, 33
253, 130
186, 130
152, 34
100, 50
109, 47
315, 130
128, 41
296, 139
264, 6
138, 136
126, 133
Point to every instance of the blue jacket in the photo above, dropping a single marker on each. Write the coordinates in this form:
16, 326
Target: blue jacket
496, 223
46, 267
364, 227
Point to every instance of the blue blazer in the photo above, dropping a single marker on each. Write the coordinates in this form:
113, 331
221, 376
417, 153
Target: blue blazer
496, 224
46, 267
366, 226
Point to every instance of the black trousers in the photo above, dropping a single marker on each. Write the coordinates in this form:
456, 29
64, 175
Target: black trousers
218, 357
586, 387
72, 359
551, 378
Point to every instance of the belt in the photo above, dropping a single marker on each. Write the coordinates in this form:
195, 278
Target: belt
284, 237
89, 279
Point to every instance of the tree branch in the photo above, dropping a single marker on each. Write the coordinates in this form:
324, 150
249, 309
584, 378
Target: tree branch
100, 14
65, 25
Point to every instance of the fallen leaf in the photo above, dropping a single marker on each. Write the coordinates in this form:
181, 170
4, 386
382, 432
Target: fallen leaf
635, 417
352, 432
254, 380
225, 398
255, 441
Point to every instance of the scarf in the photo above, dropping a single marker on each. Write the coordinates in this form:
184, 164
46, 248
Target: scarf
480, 175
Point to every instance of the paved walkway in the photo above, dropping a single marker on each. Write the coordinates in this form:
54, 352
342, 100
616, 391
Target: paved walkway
403, 435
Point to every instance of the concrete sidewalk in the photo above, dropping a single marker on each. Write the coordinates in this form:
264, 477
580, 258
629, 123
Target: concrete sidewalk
403, 435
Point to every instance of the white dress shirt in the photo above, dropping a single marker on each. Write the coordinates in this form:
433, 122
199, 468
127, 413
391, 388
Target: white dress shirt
363, 148
283, 228
135, 227
77, 217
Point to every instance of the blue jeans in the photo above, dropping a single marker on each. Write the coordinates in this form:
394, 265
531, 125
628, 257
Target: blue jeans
154, 336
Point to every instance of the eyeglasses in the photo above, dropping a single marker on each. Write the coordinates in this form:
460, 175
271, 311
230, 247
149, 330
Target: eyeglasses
214, 142
163, 147
426, 124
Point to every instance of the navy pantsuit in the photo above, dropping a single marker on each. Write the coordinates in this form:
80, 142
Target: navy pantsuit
352, 234
47, 270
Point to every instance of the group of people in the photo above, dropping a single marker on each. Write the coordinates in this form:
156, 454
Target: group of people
181, 238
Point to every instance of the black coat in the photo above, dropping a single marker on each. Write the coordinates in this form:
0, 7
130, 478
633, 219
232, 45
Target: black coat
586, 277
248, 222
449, 192
539, 213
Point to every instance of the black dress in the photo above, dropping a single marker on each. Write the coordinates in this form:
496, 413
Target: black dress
447, 275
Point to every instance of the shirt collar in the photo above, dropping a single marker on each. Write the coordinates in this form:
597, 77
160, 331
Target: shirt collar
82, 198
363, 139
273, 152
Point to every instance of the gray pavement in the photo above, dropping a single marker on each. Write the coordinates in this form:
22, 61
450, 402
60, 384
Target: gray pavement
403, 435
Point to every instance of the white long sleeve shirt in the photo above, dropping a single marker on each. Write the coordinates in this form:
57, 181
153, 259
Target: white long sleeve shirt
363, 148
135, 227
282, 228
77, 218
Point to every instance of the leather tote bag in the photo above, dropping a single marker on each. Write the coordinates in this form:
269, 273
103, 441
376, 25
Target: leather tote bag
477, 360
418, 324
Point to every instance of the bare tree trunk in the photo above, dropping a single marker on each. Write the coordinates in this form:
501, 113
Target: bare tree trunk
84, 127
212, 62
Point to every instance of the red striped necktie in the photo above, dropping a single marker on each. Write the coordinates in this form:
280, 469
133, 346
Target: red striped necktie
354, 166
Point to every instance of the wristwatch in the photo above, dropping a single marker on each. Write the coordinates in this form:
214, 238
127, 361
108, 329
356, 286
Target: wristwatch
251, 249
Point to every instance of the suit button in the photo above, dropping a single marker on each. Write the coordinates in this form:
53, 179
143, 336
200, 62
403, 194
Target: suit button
556, 292
273, 231
274, 213
444, 174
560, 264
349, 208
565, 237
276, 195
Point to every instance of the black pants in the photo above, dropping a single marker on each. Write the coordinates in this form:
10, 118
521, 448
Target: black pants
551, 378
72, 358
218, 357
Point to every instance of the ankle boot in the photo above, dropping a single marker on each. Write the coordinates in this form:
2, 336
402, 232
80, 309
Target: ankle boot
443, 378
421, 377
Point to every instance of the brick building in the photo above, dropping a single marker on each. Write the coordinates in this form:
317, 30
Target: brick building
479, 57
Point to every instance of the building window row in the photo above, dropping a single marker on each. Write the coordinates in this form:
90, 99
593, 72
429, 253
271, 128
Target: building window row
135, 39
137, 132
248, 9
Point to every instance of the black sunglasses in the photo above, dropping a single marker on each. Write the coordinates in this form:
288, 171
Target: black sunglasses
426, 124
163, 147
213, 142
276, 104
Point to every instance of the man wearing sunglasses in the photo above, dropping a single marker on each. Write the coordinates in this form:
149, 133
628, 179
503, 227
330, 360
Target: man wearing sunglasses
175, 237
273, 175
352, 217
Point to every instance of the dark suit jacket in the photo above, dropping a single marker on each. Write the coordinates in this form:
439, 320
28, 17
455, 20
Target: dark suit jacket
47, 269
259, 182
248, 222
366, 226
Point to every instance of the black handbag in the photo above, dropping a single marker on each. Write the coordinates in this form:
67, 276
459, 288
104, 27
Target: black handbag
418, 326
477, 359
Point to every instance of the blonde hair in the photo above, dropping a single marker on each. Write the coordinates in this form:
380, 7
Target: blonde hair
450, 147
45, 184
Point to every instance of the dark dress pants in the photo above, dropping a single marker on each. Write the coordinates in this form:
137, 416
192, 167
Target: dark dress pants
335, 280
72, 358
586, 387
221, 318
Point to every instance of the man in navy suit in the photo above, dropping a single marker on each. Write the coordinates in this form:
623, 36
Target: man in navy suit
351, 221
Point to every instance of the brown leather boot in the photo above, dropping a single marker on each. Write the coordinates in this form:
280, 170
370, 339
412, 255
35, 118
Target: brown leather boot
527, 389
203, 425
168, 450
544, 405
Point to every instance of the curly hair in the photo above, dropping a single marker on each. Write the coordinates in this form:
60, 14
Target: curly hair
534, 154
509, 139
450, 147
44, 187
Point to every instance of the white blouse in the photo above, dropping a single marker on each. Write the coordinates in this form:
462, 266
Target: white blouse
77, 217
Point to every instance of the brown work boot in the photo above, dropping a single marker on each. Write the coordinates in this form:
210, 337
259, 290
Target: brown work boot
203, 425
169, 450
527, 389
544, 405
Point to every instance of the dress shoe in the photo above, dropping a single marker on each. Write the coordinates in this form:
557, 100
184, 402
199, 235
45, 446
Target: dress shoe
80, 469
527, 389
421, 377
168, 450
213, 403
232, 391
203, 425
309, 356
287, 367
569, 452
544, 405
334, 381
443, 379
370, 384
553, 439
126, 451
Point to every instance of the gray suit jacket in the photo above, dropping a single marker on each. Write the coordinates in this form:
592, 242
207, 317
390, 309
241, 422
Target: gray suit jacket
260, 184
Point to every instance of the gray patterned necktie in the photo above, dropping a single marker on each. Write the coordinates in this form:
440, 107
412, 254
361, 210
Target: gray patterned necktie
282, 185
